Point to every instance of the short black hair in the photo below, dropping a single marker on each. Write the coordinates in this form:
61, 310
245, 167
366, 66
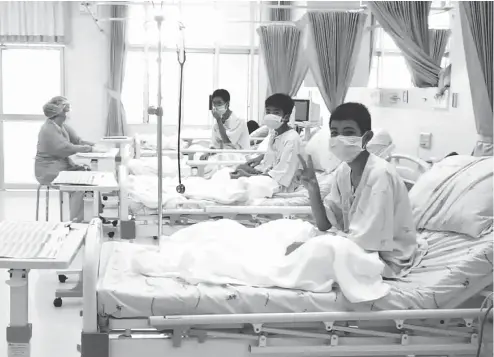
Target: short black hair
222, 93
281, 101
353, 111
252, 125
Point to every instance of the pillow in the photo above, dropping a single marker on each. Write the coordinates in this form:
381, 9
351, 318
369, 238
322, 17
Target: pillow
455, 195
318, 149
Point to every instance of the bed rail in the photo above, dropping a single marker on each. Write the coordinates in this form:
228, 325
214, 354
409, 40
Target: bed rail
259, 210
409, 174
123, 195
92, 248
328, 318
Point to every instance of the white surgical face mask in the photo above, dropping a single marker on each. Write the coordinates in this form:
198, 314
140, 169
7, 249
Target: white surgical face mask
273, 121
346, 148
221, 110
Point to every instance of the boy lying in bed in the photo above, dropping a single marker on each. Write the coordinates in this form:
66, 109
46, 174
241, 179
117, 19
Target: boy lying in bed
281, 159
368, 201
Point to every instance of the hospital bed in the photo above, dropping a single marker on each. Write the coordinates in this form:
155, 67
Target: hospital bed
125, 314
426, 313
143, 220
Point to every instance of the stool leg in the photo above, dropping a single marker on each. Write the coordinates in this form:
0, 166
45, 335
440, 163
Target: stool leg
60, 196
37, 202
47, 202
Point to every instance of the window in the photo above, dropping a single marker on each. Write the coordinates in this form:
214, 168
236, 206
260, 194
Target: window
19, 157
234, 75
219, 38
30, 76
389, 68
132, 91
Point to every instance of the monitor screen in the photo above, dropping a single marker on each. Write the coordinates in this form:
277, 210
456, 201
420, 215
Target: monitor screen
302, 109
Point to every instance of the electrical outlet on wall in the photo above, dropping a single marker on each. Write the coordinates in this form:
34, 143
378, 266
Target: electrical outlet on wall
425, 140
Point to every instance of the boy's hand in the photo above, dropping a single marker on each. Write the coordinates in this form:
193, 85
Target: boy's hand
239, 173
255, 161
246, 168
308, 176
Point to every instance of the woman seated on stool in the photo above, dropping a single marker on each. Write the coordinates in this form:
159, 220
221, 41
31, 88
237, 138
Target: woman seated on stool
56, 143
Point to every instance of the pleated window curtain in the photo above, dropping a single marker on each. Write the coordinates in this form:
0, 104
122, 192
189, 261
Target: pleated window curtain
282, 49
407, 22
33, 21
477, 28
280, 14
334, 42
116, 121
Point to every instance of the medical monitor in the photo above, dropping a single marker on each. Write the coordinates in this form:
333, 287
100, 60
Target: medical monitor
306, 112
302, 107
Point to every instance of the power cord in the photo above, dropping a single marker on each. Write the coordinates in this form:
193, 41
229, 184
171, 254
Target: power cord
483, 321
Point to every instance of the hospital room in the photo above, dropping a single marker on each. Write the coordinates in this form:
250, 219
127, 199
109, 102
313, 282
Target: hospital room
201, 178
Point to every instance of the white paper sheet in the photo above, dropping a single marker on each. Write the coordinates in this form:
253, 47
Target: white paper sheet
31, 240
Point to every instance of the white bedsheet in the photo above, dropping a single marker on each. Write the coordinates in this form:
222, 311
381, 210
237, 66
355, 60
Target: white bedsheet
452, 269
219, 189
148, 166
225, 252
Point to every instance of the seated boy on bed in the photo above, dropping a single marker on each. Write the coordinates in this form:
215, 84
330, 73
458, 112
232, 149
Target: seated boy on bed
281, 159
368, 201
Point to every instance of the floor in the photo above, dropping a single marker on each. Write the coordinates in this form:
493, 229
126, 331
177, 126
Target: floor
56, 331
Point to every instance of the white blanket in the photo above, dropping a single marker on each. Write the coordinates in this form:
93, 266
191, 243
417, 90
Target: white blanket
225, 252
149, 166
219, 189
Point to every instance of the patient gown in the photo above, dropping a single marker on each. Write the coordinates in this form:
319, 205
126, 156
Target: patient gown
377, 216
236, 130
55, 146
281, 160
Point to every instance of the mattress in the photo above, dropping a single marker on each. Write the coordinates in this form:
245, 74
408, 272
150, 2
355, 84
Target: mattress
453, 266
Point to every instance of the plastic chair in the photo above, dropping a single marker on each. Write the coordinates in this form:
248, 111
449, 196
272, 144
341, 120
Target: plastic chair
47, 201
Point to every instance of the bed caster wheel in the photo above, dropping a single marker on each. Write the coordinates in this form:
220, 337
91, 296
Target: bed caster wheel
111, 234
155, 237
181, 188
114, 223
105, 198
57, 302
62, 278
103, 220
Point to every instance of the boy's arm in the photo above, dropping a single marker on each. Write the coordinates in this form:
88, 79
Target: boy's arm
222, 130
317, 206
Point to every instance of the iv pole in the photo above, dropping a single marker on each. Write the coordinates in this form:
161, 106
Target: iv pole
159, 114
181, 57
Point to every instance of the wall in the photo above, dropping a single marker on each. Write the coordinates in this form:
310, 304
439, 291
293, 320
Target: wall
452, 129
86, 73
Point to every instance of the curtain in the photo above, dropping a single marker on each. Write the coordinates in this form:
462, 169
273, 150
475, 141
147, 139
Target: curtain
32, 21
280, 14
334, 43
282, 49
407, 22
477, 28
116, 123
438, 40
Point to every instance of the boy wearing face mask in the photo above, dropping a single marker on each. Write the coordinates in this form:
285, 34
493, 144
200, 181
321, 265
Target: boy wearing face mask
281, 159
229, 131
368, 201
